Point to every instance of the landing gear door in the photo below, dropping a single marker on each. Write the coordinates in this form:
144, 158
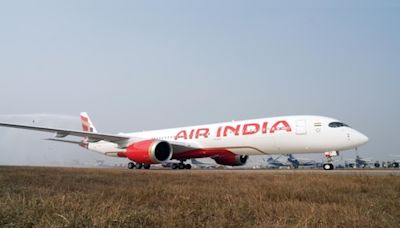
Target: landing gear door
301, 127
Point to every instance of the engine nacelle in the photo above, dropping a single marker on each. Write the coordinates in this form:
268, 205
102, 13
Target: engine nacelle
149, 152
231, 159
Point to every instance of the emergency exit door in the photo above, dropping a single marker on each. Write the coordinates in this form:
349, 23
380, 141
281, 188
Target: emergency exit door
301, 127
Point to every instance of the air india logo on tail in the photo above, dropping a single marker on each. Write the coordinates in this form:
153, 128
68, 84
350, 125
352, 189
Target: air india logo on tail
87, 125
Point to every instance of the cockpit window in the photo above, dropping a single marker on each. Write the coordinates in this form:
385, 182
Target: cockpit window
337, 124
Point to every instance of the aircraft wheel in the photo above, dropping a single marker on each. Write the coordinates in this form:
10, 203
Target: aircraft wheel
188, 166
395, 165
174, 166
328, 166
138, 165
131, 165
146, 166
181, 166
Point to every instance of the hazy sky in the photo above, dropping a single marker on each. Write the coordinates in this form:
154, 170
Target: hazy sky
141, 65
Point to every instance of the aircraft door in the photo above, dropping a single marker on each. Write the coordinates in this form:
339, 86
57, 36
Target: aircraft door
301, 127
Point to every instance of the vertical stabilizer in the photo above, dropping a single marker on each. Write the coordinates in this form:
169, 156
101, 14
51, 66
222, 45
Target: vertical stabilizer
87, 124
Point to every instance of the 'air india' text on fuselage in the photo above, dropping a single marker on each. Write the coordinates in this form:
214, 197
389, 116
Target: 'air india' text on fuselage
236, 130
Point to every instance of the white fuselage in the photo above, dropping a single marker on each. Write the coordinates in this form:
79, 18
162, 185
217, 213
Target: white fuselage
277, 135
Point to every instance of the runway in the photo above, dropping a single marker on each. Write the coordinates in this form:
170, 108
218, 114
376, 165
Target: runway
356, 172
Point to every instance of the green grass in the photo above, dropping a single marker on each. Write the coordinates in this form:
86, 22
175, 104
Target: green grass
67, 197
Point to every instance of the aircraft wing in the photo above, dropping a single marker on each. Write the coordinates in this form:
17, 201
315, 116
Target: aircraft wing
61, 133
121, 140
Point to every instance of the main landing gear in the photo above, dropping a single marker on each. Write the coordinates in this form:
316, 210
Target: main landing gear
132, 165
181, 165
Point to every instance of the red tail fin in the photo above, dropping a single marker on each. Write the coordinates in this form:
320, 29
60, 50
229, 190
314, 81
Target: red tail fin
87, 124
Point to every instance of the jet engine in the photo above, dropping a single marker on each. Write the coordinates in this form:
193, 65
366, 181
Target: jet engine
231, 159
149, 152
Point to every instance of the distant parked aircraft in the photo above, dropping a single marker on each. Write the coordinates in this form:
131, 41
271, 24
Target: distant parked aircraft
395, 163
296, 162
276, 163
360, 162
227, 143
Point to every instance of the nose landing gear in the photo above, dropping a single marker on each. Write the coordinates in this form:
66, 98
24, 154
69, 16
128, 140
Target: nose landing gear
328, 165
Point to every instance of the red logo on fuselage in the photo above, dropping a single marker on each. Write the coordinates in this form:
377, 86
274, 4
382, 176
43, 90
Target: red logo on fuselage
236, 130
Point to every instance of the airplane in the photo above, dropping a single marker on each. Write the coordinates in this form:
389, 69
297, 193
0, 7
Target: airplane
296, 162
229, 143
275, 163
394, 163
360, 162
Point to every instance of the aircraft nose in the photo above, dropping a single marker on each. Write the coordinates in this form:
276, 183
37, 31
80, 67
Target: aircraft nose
360, 138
